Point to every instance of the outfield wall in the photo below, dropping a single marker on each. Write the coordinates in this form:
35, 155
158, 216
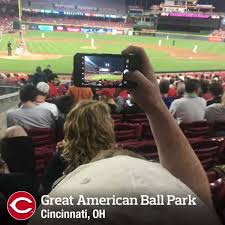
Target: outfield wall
72, 28
180, 36
116, 31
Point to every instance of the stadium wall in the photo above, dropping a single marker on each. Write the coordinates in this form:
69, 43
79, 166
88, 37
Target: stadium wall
71, 28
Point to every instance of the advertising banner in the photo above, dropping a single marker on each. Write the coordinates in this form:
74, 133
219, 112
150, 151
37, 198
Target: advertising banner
73, 29
59, 28
45, 28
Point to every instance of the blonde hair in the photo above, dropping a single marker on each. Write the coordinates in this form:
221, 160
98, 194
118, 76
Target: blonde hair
88, 130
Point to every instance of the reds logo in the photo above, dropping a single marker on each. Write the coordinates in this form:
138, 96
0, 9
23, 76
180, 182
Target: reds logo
21, 205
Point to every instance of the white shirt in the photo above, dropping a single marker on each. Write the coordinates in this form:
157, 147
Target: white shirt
188, 109
52, 107
215, 112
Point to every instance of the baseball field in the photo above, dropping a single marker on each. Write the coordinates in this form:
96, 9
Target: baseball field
58, 48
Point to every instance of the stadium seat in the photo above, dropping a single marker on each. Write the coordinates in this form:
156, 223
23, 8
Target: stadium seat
146, 148
196, 129
44, 142
219, 128
117, 118
146, 131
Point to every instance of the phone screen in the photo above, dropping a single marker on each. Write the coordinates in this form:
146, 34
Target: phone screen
104, 70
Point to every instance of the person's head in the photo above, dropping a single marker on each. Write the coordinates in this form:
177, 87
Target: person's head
192, 86
216, 89
105, 95
172, 80
28, 93
180, 89
43, 88
38, 69
164, 86
88, 129
64, 103
204, 86
53, 78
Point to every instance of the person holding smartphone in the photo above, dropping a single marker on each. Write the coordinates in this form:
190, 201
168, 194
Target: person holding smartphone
116, 173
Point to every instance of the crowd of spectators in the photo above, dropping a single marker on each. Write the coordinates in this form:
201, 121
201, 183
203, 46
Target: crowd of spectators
218, 33
94, 6
82, 121
190, 100
78, 22
6, 24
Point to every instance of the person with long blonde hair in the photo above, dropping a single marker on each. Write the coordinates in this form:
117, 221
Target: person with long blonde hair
88, 129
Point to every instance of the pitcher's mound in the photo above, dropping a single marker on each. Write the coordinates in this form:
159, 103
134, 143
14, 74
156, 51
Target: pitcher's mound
29, 56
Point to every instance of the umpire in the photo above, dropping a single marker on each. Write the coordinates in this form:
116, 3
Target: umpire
9, 46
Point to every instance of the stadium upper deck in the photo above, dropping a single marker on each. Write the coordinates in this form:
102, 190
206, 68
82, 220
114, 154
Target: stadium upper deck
102, 6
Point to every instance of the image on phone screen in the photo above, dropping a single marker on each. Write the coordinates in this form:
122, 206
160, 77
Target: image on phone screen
104, 70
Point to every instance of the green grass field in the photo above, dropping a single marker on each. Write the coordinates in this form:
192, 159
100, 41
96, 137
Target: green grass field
108, 77
67, 44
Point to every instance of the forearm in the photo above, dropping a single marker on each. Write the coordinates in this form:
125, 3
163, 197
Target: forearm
176, 154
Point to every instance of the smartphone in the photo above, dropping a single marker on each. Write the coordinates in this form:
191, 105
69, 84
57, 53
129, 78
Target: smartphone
103, 70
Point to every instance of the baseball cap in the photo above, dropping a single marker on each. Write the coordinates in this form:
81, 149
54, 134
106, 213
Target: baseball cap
43, 87
107, 92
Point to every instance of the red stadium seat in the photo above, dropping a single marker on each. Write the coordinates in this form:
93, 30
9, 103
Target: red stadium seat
44, 142
196, 129
146, 131
146, 148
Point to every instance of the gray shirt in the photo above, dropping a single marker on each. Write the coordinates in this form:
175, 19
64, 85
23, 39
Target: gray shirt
188, 109
30, 117
215, 112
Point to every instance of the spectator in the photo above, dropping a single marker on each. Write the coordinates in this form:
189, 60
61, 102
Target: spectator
164, 86
38, 76
216, 90
79, 93
106, 96
19, 166
62, 89
216, 111
53, 82
43, 90
29, 115
190, 108
180, 89
172, 89
123, 175
87, 119
205, 90
131, 107
48, 71
64, 105
88, 129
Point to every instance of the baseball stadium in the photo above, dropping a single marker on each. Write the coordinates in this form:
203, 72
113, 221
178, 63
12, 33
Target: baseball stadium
72, 130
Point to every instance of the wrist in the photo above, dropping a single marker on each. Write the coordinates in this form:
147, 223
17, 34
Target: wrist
156, 109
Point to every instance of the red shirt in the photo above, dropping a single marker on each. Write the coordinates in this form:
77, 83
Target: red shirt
53, 91
172, 92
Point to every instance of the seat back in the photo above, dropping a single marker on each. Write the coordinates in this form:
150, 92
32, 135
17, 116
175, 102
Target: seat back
207, 152
126, 131
196, 129
44, 141
146, 148
219, 126
18, 153
146, 131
